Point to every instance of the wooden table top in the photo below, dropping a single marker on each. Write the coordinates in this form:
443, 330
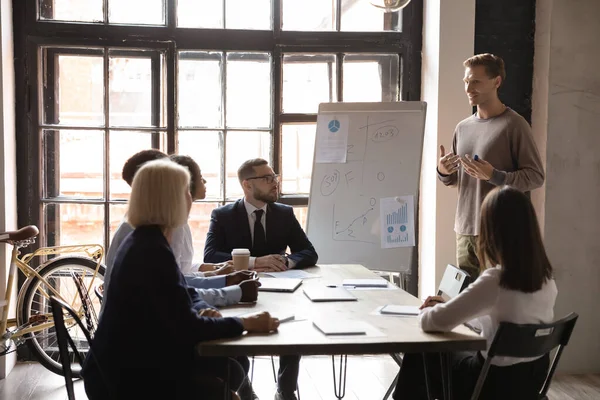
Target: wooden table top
392, 334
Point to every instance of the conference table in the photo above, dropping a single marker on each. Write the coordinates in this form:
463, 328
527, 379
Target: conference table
387, 334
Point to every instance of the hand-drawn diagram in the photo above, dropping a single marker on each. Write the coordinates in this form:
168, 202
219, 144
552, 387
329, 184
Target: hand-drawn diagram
356, 228
330, 183
385, 133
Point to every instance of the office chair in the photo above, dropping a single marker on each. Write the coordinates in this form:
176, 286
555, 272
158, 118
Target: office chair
63, 338
528, 340
454, 281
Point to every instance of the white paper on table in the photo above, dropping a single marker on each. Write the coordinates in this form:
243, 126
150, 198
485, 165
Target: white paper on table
332, 139
397, 221
291, 273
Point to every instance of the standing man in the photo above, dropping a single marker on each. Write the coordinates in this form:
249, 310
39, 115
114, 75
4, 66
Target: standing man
492, 147
267, 228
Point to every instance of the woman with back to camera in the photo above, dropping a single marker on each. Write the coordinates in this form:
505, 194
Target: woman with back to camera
517, 287
144, 346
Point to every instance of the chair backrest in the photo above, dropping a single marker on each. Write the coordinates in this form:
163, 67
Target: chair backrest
453, 282
530, 340
64, 340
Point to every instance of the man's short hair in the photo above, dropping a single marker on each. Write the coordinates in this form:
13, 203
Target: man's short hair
246, 170
137, 160
158, 195
494, 65
192, 166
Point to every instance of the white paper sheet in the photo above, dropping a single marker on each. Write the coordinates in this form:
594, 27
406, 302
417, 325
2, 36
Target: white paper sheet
332, 139
291, 273
397, 221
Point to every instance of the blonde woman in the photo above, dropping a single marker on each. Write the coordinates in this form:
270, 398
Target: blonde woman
144, 344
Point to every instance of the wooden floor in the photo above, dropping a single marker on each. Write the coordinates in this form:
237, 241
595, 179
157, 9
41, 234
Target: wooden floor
367, 379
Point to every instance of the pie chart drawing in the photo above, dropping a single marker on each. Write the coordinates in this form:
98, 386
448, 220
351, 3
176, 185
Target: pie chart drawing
334, 125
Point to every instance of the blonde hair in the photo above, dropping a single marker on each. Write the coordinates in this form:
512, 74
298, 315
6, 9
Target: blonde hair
158, 195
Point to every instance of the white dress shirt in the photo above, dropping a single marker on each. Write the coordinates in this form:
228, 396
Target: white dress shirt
486, 302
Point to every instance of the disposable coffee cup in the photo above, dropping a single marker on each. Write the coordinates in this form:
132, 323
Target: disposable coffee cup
241, 259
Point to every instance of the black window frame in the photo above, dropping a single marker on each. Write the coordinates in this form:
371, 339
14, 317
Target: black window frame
30, 33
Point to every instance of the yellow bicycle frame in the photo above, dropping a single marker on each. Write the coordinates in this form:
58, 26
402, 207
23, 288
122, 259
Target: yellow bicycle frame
92, 251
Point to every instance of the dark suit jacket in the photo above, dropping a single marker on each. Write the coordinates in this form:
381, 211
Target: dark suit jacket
229, 229
146, 336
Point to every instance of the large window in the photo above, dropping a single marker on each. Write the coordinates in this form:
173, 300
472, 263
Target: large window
222, 81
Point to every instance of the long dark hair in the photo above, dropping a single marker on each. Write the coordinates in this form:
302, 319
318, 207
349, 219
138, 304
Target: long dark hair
509, 235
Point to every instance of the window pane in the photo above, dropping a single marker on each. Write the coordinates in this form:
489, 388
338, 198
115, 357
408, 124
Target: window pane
199, 222
136, 12
363, 16
73, 163
200, 93
206, 148
130, 91
80, 81
72, 10
200, 14
307, 81
122, 146
248, 90
301, 214
245, 14
308, 15
242, 146
116, 216
68, 224
371, 77
297, 152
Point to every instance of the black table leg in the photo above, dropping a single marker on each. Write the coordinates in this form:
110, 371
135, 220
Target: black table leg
339, 387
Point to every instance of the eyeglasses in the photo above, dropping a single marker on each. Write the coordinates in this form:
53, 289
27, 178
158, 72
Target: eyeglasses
268, 178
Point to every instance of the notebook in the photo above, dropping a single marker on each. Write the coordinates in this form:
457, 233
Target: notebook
287, 285
324, 293
377, 283
400, 310
337, 327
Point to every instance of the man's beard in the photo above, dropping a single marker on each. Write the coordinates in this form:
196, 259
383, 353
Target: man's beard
267, 197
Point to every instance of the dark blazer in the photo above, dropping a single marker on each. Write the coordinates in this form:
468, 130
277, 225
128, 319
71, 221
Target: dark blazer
146, 336
229, 229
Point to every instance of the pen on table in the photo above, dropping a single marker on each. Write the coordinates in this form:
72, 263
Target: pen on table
344, 286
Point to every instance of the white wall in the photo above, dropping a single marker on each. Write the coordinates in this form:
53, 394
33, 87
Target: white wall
8, 187
572, 231
448, 40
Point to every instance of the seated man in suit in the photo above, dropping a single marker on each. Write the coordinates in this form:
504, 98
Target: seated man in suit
267, 228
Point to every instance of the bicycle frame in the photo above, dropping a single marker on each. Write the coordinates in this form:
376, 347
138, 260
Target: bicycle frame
92, 251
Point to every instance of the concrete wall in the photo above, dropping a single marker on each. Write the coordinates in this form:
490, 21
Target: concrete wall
568, 65
8, 181
448, 39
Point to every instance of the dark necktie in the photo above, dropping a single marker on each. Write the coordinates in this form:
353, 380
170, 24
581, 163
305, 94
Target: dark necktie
259, 247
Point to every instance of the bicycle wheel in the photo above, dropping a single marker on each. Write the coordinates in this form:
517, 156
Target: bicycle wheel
60, 274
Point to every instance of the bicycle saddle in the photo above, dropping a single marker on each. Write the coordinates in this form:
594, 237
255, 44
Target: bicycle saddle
24, 233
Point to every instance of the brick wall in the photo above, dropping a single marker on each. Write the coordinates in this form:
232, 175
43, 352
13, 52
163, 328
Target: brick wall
506, 28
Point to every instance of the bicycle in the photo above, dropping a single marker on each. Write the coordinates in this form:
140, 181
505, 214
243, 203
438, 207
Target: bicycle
69, 273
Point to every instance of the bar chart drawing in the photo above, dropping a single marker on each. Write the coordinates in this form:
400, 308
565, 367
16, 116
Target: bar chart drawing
397, 216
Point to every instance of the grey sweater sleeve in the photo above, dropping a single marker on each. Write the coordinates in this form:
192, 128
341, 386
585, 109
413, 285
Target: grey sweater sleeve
452, 179
529, 173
